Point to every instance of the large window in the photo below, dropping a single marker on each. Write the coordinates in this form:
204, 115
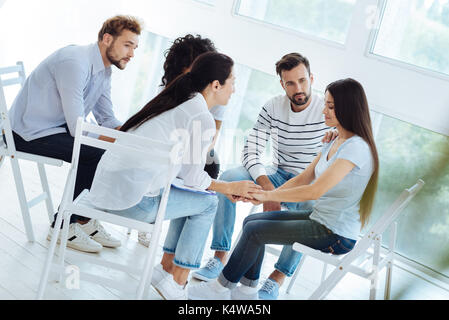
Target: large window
415, 32
325, 19
407, 153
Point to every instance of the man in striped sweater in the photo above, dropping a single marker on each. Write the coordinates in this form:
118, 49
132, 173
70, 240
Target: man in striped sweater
295, 123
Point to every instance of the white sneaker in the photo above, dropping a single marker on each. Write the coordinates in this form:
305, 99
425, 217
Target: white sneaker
170, 290
238, 294
78, 239
159, 274
144, 238
208, 291
98, 233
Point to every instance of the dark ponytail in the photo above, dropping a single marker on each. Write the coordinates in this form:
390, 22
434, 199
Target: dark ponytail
207, 68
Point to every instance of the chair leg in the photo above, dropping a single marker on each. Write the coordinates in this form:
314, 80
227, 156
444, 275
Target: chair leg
46, 189
375, 270
22, 199
48, 261
149, 263
63, 247
295, 275
389, 272
324, 288
324, 273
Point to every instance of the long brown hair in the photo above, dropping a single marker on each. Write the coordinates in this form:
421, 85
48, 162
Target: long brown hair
207, 68
352, 112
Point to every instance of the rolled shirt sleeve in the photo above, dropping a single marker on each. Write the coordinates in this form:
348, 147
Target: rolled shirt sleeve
103, 110
255, 145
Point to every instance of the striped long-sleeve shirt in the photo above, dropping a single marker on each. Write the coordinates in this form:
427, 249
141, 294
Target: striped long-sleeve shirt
296, 136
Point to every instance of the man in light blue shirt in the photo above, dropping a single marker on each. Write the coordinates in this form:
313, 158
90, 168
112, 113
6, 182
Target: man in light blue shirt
71, 83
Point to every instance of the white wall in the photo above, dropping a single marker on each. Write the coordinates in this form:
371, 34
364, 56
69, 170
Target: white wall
418, 97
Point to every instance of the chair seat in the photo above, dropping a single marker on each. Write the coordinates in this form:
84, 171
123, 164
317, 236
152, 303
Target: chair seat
39, 159
32, 157
82, 206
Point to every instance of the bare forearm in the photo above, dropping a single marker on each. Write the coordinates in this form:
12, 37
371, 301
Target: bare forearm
220, 186
296, 194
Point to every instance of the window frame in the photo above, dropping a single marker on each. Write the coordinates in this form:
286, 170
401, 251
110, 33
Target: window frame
392, 61
294, 32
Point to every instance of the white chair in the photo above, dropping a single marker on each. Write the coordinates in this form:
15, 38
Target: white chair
350, 262
159, 153
8, 149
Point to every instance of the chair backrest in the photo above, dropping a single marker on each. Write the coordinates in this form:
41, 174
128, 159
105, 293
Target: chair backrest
394, 210
152, 160
17, 79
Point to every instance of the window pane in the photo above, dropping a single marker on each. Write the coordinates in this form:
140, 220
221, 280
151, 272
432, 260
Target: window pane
325, 19
406, 154
416, 32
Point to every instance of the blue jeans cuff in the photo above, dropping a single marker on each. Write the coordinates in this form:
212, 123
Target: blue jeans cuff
215, 248
286, 272
167, 250
225, 282
186, 265
249, 283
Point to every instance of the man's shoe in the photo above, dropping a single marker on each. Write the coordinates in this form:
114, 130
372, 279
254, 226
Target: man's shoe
159, 274
78, 239
208, 291
170, 290
211, 271
238, 294
98, 233
269, 290
144, 238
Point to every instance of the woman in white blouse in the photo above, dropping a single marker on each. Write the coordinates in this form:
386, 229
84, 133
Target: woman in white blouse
183, 106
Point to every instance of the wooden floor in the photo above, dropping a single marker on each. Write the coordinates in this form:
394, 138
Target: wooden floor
21, 262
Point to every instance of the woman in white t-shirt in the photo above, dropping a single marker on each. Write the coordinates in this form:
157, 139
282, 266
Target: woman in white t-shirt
343, 181
178, 60
182, 107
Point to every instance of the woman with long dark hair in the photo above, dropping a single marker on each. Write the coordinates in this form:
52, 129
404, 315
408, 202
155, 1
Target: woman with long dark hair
343, 181
183, 106
178, 60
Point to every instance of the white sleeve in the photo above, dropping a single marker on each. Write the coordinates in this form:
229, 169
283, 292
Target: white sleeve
202, 130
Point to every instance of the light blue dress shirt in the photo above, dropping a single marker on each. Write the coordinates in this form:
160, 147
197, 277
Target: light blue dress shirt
68, 84
338, 209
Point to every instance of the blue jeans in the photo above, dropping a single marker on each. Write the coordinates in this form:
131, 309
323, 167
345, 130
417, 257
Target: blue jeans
280, 228
191, 216
225, 218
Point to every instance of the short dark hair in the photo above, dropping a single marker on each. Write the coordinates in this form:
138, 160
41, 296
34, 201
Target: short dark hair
182, 53
290, 61
115, 26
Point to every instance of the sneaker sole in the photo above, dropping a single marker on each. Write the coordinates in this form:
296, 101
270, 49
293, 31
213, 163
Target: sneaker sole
69, 245
163, 296
203, 278
107, 245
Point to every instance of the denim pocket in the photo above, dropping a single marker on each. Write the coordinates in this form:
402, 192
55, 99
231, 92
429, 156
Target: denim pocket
341, 246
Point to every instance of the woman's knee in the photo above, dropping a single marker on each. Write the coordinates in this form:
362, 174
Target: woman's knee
211, 204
